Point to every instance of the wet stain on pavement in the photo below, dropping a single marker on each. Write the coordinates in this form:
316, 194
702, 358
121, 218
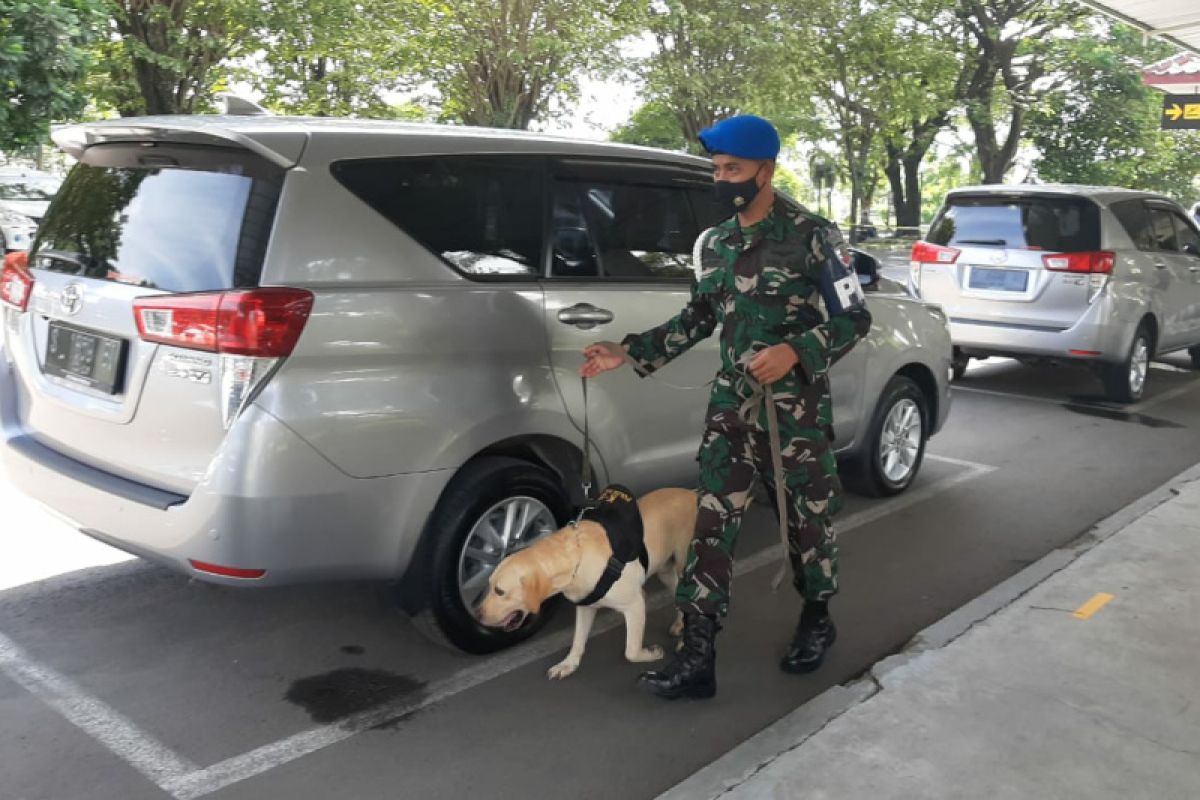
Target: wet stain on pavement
353, 649
345, 692
1122, 416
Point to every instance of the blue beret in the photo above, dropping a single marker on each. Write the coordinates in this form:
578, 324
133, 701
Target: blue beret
743, 136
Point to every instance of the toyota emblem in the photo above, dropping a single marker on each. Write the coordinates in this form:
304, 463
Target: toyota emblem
71, 298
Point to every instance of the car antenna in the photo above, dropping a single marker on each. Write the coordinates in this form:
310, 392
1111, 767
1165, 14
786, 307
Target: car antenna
241, 107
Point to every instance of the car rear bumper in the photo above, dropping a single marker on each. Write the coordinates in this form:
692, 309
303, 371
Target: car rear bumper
269, 501
1096, 336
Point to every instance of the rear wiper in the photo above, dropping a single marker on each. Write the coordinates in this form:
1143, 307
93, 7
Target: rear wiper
982, 241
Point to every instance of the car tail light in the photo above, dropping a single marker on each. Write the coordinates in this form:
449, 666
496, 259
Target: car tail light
1097, 262
261, 323
251, 330
926, 253
16, 281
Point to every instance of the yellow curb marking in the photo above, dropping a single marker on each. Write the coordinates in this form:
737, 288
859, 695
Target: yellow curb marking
1089, 608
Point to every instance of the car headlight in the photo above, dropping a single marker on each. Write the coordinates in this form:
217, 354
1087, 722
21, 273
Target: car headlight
14, 218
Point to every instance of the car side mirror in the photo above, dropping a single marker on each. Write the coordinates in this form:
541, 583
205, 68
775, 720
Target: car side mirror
865, 266
1192, 249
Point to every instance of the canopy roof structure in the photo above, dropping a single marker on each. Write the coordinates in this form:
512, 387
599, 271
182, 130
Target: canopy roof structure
1175, 21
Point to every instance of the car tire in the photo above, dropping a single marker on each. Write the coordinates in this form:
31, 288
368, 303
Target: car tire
958, 365
895, 442
1194, 352
483, 490
1125, 381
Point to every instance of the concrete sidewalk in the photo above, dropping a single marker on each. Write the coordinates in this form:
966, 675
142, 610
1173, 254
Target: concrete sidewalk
1021, 694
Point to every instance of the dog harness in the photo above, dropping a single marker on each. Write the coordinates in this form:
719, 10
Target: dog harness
617, 512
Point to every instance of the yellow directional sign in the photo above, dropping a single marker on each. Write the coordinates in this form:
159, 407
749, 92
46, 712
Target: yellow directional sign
1181, 111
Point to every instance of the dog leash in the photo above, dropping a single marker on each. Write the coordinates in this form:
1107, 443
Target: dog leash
762, 394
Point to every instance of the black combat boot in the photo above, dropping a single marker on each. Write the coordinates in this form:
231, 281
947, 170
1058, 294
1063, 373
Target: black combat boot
693, 669
815, 634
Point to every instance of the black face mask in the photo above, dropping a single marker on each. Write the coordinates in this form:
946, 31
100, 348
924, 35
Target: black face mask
734, 197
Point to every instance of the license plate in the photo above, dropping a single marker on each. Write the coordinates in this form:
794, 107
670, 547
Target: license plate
999, 280
89, 359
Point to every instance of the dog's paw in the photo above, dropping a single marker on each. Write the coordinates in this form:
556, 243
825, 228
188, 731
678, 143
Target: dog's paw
653, 653
563, 669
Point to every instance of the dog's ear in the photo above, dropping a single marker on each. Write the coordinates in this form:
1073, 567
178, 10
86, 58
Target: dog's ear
535, 587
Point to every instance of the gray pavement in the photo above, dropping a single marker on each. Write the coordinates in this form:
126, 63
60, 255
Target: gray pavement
1085, 685
125, 681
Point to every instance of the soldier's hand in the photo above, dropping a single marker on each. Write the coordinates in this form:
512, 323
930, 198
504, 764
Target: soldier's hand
601, 357
773, 363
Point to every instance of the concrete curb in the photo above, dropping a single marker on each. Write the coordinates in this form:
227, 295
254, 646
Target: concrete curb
791, 731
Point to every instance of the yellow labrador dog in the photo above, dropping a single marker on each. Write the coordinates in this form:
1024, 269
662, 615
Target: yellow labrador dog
572, 561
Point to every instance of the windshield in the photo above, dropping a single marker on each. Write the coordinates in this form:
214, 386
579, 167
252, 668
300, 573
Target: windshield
30, 189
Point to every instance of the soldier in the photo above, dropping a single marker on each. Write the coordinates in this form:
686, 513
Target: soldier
762, 273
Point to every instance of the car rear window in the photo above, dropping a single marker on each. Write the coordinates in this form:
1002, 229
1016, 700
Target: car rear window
482, 215
1056, 224
181, 219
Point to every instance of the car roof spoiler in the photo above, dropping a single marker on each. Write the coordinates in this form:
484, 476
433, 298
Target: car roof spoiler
276, 139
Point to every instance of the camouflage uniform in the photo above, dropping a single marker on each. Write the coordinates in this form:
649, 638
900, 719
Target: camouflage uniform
759, 285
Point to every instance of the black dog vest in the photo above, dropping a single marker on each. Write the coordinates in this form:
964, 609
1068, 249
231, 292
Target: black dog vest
617, 512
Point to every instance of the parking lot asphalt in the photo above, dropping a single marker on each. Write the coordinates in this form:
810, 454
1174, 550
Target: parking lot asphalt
121, 680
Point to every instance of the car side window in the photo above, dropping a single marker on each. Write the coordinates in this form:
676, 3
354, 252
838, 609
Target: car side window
633, 231
481, 215
1135, 220
573, 253
1162, 230
1186, 233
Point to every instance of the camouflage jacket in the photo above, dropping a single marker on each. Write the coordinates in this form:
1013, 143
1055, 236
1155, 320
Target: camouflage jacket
759, 285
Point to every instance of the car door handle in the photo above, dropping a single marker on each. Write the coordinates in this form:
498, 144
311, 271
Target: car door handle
585, 316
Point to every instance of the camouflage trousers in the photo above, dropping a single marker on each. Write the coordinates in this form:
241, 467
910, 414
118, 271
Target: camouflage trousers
732, 459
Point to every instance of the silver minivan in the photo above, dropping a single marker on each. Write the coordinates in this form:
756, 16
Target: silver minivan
1095, 274
267, 350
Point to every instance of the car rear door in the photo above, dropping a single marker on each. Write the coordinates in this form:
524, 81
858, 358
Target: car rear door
620, 263
1176, 286
1188, 238
1013, 258
132, 221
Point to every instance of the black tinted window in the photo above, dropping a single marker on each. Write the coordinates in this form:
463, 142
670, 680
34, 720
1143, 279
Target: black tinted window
1063, 225
1185, 232
1136, 222
482, 216
1162, 230
175, 228
638, 231
708, 210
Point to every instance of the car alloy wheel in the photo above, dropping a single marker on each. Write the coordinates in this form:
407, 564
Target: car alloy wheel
506, 528
900, 443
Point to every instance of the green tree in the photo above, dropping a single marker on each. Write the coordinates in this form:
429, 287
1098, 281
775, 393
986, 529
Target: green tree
502, 63
1101, 126
1012, 50
840, 65
171, 56
652, 125
334, 57
925, 82
714, 59
43, 60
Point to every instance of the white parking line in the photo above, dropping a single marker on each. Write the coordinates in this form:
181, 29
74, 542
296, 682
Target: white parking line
1061, 401
185, 781
1009, 395
143, 752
